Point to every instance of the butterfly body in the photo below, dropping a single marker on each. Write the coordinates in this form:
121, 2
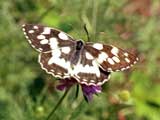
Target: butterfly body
64, 57
79, 46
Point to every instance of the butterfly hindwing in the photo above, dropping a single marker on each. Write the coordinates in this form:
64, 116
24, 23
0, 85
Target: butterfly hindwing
87, 71
51, 68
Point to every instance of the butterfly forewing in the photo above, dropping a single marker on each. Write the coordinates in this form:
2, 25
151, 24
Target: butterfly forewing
111, 58
45, 39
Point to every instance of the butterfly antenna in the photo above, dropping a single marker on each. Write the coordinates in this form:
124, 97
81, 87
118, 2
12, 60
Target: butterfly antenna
85, 29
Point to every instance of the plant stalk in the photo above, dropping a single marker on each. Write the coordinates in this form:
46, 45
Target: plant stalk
57, 105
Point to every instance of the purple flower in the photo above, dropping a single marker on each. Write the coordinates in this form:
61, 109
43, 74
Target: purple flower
88, 90
66, 83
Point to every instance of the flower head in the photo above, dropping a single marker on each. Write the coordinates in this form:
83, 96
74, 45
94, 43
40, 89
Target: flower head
66, 83
88, 90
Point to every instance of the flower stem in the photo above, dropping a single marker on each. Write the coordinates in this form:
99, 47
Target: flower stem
94, 18
57, 105
77, 91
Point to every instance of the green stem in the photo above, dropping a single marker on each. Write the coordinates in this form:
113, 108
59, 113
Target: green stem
94, 18
77, 91
57, 105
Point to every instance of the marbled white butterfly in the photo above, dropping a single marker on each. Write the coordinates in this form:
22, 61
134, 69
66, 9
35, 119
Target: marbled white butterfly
65, 57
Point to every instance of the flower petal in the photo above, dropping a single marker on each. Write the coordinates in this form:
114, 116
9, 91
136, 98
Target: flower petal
66, 83
88, 91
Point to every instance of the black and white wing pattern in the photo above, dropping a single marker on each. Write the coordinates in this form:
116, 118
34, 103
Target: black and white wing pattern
54, 46
98, 60
87, 70
65, 57
111, 58
44, 39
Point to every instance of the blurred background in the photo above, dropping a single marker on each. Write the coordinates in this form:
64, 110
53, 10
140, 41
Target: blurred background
28, 93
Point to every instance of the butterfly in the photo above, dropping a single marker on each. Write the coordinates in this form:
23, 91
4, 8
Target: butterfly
65, 57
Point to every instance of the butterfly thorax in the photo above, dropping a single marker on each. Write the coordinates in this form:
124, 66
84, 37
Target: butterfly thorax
76, 54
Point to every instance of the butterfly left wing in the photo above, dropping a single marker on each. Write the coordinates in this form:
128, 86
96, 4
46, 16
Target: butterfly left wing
55, 47
111, 58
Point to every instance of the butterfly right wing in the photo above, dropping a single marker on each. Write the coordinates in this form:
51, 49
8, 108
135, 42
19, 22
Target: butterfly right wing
111, 58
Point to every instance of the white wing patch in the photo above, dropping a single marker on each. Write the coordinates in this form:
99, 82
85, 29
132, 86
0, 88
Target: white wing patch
116, 59
126, 54
115, 51
35, 27
40, 37
63, 36
53, 43
98, 46
44, 41
79, 68
47, 30
59, 61
66, 50
110, 61
31, 31
127, 60
102, 57
89, 56
55, 54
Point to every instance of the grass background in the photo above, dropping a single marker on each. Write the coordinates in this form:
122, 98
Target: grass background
28, 93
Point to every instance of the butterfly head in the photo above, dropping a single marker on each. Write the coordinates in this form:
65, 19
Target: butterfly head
79, 44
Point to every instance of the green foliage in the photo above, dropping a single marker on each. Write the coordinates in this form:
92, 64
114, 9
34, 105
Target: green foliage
28, 93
